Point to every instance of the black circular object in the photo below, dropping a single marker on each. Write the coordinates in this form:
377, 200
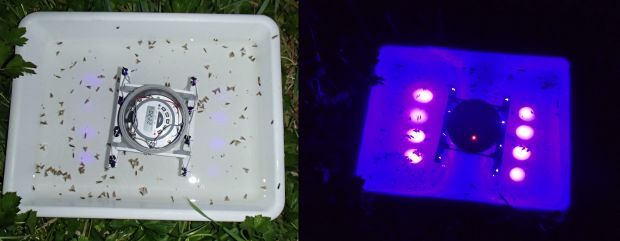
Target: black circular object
474, 125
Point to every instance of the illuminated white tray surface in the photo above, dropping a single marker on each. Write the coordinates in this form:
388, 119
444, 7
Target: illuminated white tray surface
236, 59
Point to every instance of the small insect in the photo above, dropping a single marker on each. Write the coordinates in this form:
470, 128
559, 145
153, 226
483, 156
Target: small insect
230, 88
72, 188
143, 191
71, 92
73, 155
42, 115
43, 147
259, 94
61, 103
98, 182
242, 50
57, 76
184, 46
172, 198
118, 199
97, 157
43, 122
235, 142
245, 196
246, 169
224, 46
89, 87
111, 90
117, 27
114, 194
85, 135
278, 186
128, 47
62, 69
167, 41
82, 168
167, 84
139, 42
57, 52
242, 117
82, 198
134, 162
73, 64
258, 80
231, 55
112, 177
226, 198
210, 74
138, 61
151, 42
73, 128
90, 195
252, 58
71, 145
32, 187
141, 168
101, 76
263, 187
215, 39
255, 45
85, 148
227, 103
84, 59
215, 91
205, 50
207, 66
58, 43
242, 138
246, 108
210, 201
274, 36
96, 90
87, 100
135, 173
61, 112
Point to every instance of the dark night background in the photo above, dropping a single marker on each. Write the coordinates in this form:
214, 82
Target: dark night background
339, 43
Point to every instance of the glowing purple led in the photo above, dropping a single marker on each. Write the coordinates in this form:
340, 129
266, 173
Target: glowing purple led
414, 156
521, 153
416, 135
526, 113
525, 132
423, 95
517, 174
418, 116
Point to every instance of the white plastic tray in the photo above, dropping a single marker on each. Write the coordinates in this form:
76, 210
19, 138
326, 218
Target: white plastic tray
78, 54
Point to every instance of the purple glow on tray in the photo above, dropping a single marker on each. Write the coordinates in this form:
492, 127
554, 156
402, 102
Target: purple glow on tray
423, 95
517, 174
524, 132
530, 173
418, 116
416, 135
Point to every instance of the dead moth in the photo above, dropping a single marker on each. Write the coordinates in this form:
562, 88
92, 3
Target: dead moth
205, 50
61, 112
245, 196
101, 76
89, 87
259, 94
134, 162
97, 157
215, 91
58, 43
57, 52
43, 122
87, 100
57, 76
231, 54
143, 191
72, 188
96, 90
82, 168
252, 58
274, 36
246, 169
258, 80
139, 42
226, 198
184, 46
167, 41
43, 147
242, 50
84, 59
242, 117
138, 61
230, 88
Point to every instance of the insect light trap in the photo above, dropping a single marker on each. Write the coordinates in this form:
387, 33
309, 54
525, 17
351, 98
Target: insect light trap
153, 120
471, 126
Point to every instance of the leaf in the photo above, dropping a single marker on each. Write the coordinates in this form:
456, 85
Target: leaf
29, 218
263, 7
9, 203
14, 36
228, 231
17, 67
157, 230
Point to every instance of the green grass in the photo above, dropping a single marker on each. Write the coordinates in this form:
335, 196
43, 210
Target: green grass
26, 226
